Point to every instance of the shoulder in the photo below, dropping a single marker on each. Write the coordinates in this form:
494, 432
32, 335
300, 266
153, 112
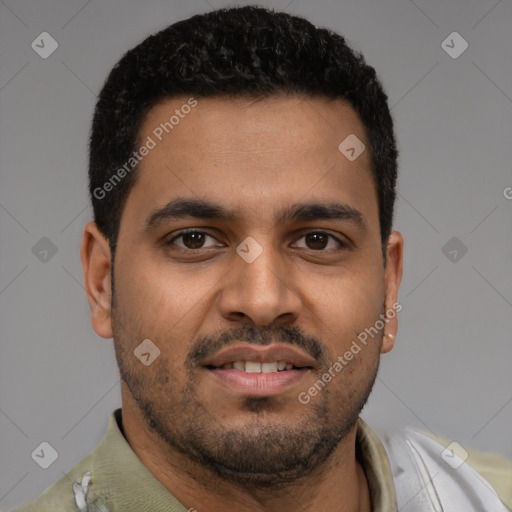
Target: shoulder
59, 497
446, 471
495, 469
70, 493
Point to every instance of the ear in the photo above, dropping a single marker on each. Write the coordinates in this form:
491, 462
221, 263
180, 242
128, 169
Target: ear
393, 278
95, 255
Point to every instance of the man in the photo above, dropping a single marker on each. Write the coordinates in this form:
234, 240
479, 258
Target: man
242, 175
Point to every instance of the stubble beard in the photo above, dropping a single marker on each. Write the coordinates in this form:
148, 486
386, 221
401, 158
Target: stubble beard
266, 453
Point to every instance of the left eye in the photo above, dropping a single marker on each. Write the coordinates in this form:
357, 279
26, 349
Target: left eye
320, 240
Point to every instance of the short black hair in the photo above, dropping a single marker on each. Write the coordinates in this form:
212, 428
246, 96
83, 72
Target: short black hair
249, 52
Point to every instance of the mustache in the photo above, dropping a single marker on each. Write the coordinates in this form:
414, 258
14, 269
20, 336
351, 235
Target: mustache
207, 346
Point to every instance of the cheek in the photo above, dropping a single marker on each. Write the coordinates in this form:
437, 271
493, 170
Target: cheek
159, 292
349, 307
166, 305
175, 299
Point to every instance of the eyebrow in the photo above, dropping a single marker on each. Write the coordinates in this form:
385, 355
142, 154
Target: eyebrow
181, 207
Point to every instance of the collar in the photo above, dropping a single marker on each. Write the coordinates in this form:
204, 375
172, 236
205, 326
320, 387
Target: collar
373, 458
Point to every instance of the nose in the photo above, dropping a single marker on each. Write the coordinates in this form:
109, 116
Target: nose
262, 291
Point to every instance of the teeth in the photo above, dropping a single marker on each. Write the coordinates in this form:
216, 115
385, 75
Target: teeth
269, 367
239, 365
254, 367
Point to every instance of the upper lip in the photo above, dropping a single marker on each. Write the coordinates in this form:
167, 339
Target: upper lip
261, 354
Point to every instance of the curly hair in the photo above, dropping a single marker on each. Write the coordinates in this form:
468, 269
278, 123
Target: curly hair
249, 52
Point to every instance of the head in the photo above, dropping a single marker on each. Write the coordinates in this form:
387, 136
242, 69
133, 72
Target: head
230, 213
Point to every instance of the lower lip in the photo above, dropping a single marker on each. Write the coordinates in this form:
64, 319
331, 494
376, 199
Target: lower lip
259, 384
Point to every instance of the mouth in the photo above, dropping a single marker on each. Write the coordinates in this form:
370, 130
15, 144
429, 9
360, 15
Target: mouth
259, 371
256, 367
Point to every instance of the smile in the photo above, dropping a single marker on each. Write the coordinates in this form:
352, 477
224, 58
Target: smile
256, 367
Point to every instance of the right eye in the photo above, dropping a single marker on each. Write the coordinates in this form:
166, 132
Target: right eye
192, 239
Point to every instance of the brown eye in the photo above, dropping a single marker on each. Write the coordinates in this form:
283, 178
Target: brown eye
319, 240
316, 240
190, 239
193, 240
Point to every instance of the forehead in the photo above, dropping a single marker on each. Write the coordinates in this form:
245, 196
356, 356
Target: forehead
252, 155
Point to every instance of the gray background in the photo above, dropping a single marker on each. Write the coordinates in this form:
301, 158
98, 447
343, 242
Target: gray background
450, 369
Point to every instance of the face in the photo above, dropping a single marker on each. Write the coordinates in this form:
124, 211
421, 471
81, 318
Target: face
249, 253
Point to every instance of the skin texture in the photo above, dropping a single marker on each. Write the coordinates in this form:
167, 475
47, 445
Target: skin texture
209, 444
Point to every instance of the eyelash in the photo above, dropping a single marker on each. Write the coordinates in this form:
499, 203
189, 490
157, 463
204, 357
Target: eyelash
180, 234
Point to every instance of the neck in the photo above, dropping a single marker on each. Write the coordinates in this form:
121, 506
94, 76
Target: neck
340, 485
